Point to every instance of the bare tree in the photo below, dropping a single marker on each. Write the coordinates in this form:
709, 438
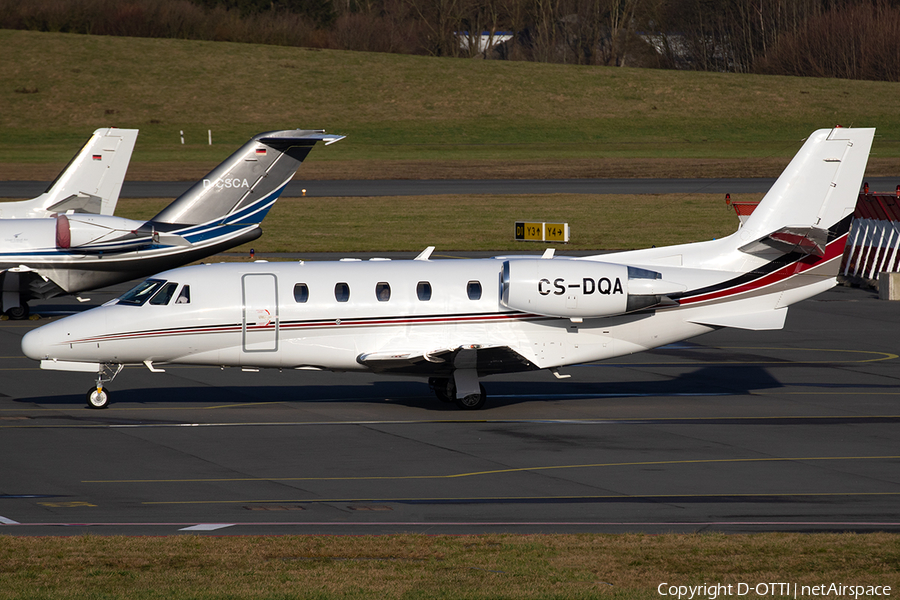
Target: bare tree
544, 17
479, 22
621, 26
440, 19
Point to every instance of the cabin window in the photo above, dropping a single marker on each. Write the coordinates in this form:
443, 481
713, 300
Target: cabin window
140, 293
301, 292
473, 289
184, 296
383, 291
165, 294
423, 291
342, 292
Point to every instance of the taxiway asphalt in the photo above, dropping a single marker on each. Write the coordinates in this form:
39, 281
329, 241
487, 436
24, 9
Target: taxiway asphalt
735, 431
421, 187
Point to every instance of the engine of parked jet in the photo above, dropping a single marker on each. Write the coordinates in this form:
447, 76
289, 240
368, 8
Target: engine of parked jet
581, 288
83, 232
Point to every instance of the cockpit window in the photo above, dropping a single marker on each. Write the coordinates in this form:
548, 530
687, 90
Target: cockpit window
164, 294
184, 296
142, 292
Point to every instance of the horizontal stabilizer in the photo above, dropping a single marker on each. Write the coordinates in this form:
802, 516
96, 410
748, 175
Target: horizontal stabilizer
79, 203
805, 240
171, 239
756, 321
287, 140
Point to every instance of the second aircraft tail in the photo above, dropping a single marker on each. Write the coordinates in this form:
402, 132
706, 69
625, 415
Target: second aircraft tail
244, 187
90, 183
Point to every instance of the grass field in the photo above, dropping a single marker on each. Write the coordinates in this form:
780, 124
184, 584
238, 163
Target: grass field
409, 223
416, 113
417, 566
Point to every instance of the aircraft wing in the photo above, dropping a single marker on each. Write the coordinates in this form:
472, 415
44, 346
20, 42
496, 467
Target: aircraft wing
755, 321
443, 361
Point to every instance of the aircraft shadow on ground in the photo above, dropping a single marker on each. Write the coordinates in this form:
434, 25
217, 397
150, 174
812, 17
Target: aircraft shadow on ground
506, 390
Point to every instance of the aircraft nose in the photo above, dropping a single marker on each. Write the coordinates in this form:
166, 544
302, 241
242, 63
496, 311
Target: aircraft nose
36, 343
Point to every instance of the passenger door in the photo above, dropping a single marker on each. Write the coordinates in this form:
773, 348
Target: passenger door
260, 312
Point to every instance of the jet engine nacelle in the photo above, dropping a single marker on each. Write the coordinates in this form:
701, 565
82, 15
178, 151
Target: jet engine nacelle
80, 231
71, 231
581, 288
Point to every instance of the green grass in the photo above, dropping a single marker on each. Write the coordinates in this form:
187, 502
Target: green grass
416, 566
397, 107
474, 222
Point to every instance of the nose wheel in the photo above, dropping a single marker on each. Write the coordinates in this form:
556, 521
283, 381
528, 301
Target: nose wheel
98, 397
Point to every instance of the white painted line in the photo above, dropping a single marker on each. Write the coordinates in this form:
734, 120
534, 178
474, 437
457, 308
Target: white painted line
207, 527
5, 521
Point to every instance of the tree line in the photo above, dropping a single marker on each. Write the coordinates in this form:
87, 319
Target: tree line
824, 38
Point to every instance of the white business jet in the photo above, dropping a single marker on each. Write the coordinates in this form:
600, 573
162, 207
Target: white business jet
454, 321
90, 183
71, 252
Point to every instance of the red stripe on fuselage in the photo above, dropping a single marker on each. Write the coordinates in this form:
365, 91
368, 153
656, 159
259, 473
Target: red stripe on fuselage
312, 324
834, 250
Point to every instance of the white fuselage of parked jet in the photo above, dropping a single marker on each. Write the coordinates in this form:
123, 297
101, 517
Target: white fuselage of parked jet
419, 317
71, 252
373, 315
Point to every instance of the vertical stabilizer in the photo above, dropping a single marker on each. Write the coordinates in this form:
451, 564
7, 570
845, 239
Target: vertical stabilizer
92, 180
818, 189
243, 188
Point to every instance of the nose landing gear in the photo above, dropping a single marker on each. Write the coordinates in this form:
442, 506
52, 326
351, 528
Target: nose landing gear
98, 396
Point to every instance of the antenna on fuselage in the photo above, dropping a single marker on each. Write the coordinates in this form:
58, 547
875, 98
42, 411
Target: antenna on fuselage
425, 254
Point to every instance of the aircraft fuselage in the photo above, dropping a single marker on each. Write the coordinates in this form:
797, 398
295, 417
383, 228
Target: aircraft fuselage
387, 316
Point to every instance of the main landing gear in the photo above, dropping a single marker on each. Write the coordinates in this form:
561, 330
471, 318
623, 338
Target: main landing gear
445, 390
17, 313
98, 396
